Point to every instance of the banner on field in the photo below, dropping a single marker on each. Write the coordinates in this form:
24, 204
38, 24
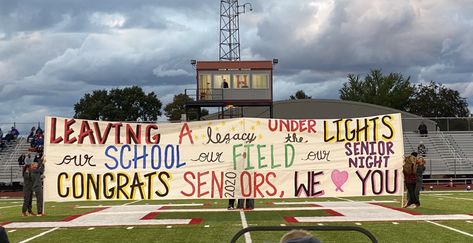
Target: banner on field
223, 159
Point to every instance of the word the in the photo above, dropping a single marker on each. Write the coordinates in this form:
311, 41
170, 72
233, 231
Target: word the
293, 138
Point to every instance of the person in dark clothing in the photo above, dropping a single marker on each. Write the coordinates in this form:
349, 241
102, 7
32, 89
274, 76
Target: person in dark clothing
420, 168
21, 160
27, 191
410, 179
37, 170
421, 149
3, 235
422, 129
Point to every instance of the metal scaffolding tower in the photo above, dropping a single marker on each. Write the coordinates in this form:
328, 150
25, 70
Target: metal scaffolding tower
229, 47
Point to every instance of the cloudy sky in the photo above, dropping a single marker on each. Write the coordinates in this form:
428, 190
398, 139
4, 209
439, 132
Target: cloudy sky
52, 52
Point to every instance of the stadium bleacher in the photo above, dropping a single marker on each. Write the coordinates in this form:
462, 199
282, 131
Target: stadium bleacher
10, 171
447, 152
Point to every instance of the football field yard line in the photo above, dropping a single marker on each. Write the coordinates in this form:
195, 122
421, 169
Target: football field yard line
458, 198
244, 223
11, 206
39, 235
129, 203
344, 199
450, 228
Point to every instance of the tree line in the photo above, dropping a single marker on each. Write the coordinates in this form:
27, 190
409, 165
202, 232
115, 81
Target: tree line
391, 90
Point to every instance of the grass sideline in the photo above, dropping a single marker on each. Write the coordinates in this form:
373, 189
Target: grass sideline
221, 226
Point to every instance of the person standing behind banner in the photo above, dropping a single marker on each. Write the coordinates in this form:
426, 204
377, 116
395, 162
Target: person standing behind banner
27, 190
420, 168
37, 170
409, 171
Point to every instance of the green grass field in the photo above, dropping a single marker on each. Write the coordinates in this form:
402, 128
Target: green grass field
221, 226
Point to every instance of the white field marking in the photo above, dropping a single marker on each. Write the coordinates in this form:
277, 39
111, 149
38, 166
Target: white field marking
10, 206
441, 194
151, 205
305, 203
128, 203
450, 228
440, 198
129, 228
226, 210
39, 235
206, 226
282, 224
53, 206
10, 199
458, 198
395, 223
91, 228
11, 231
168, 227
320, 224
358, 223
244, 223
434, 192
470, 222
344, 199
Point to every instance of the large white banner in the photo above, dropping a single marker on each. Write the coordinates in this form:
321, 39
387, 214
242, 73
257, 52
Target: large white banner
221, 159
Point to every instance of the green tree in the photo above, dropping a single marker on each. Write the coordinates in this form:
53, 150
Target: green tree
127, 104
174, 110
392, 90
436, 100
300, 95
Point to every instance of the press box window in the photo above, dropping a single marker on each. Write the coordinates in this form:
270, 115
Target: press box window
241, 81
260, 81
218, 81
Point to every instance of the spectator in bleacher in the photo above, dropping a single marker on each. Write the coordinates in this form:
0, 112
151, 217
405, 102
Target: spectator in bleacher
31, 135
421, 149
12, 135
420, 168
410, 179
28, 159
2, 145
39, 130
21, 160
423, 129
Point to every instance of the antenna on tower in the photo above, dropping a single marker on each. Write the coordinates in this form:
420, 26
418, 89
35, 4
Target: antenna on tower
229, 47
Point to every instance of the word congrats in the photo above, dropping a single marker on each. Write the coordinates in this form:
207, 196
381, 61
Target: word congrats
223, 159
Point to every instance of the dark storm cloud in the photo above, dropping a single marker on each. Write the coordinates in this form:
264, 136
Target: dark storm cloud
52, 52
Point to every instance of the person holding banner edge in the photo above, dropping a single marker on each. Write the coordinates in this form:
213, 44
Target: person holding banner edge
410, 179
